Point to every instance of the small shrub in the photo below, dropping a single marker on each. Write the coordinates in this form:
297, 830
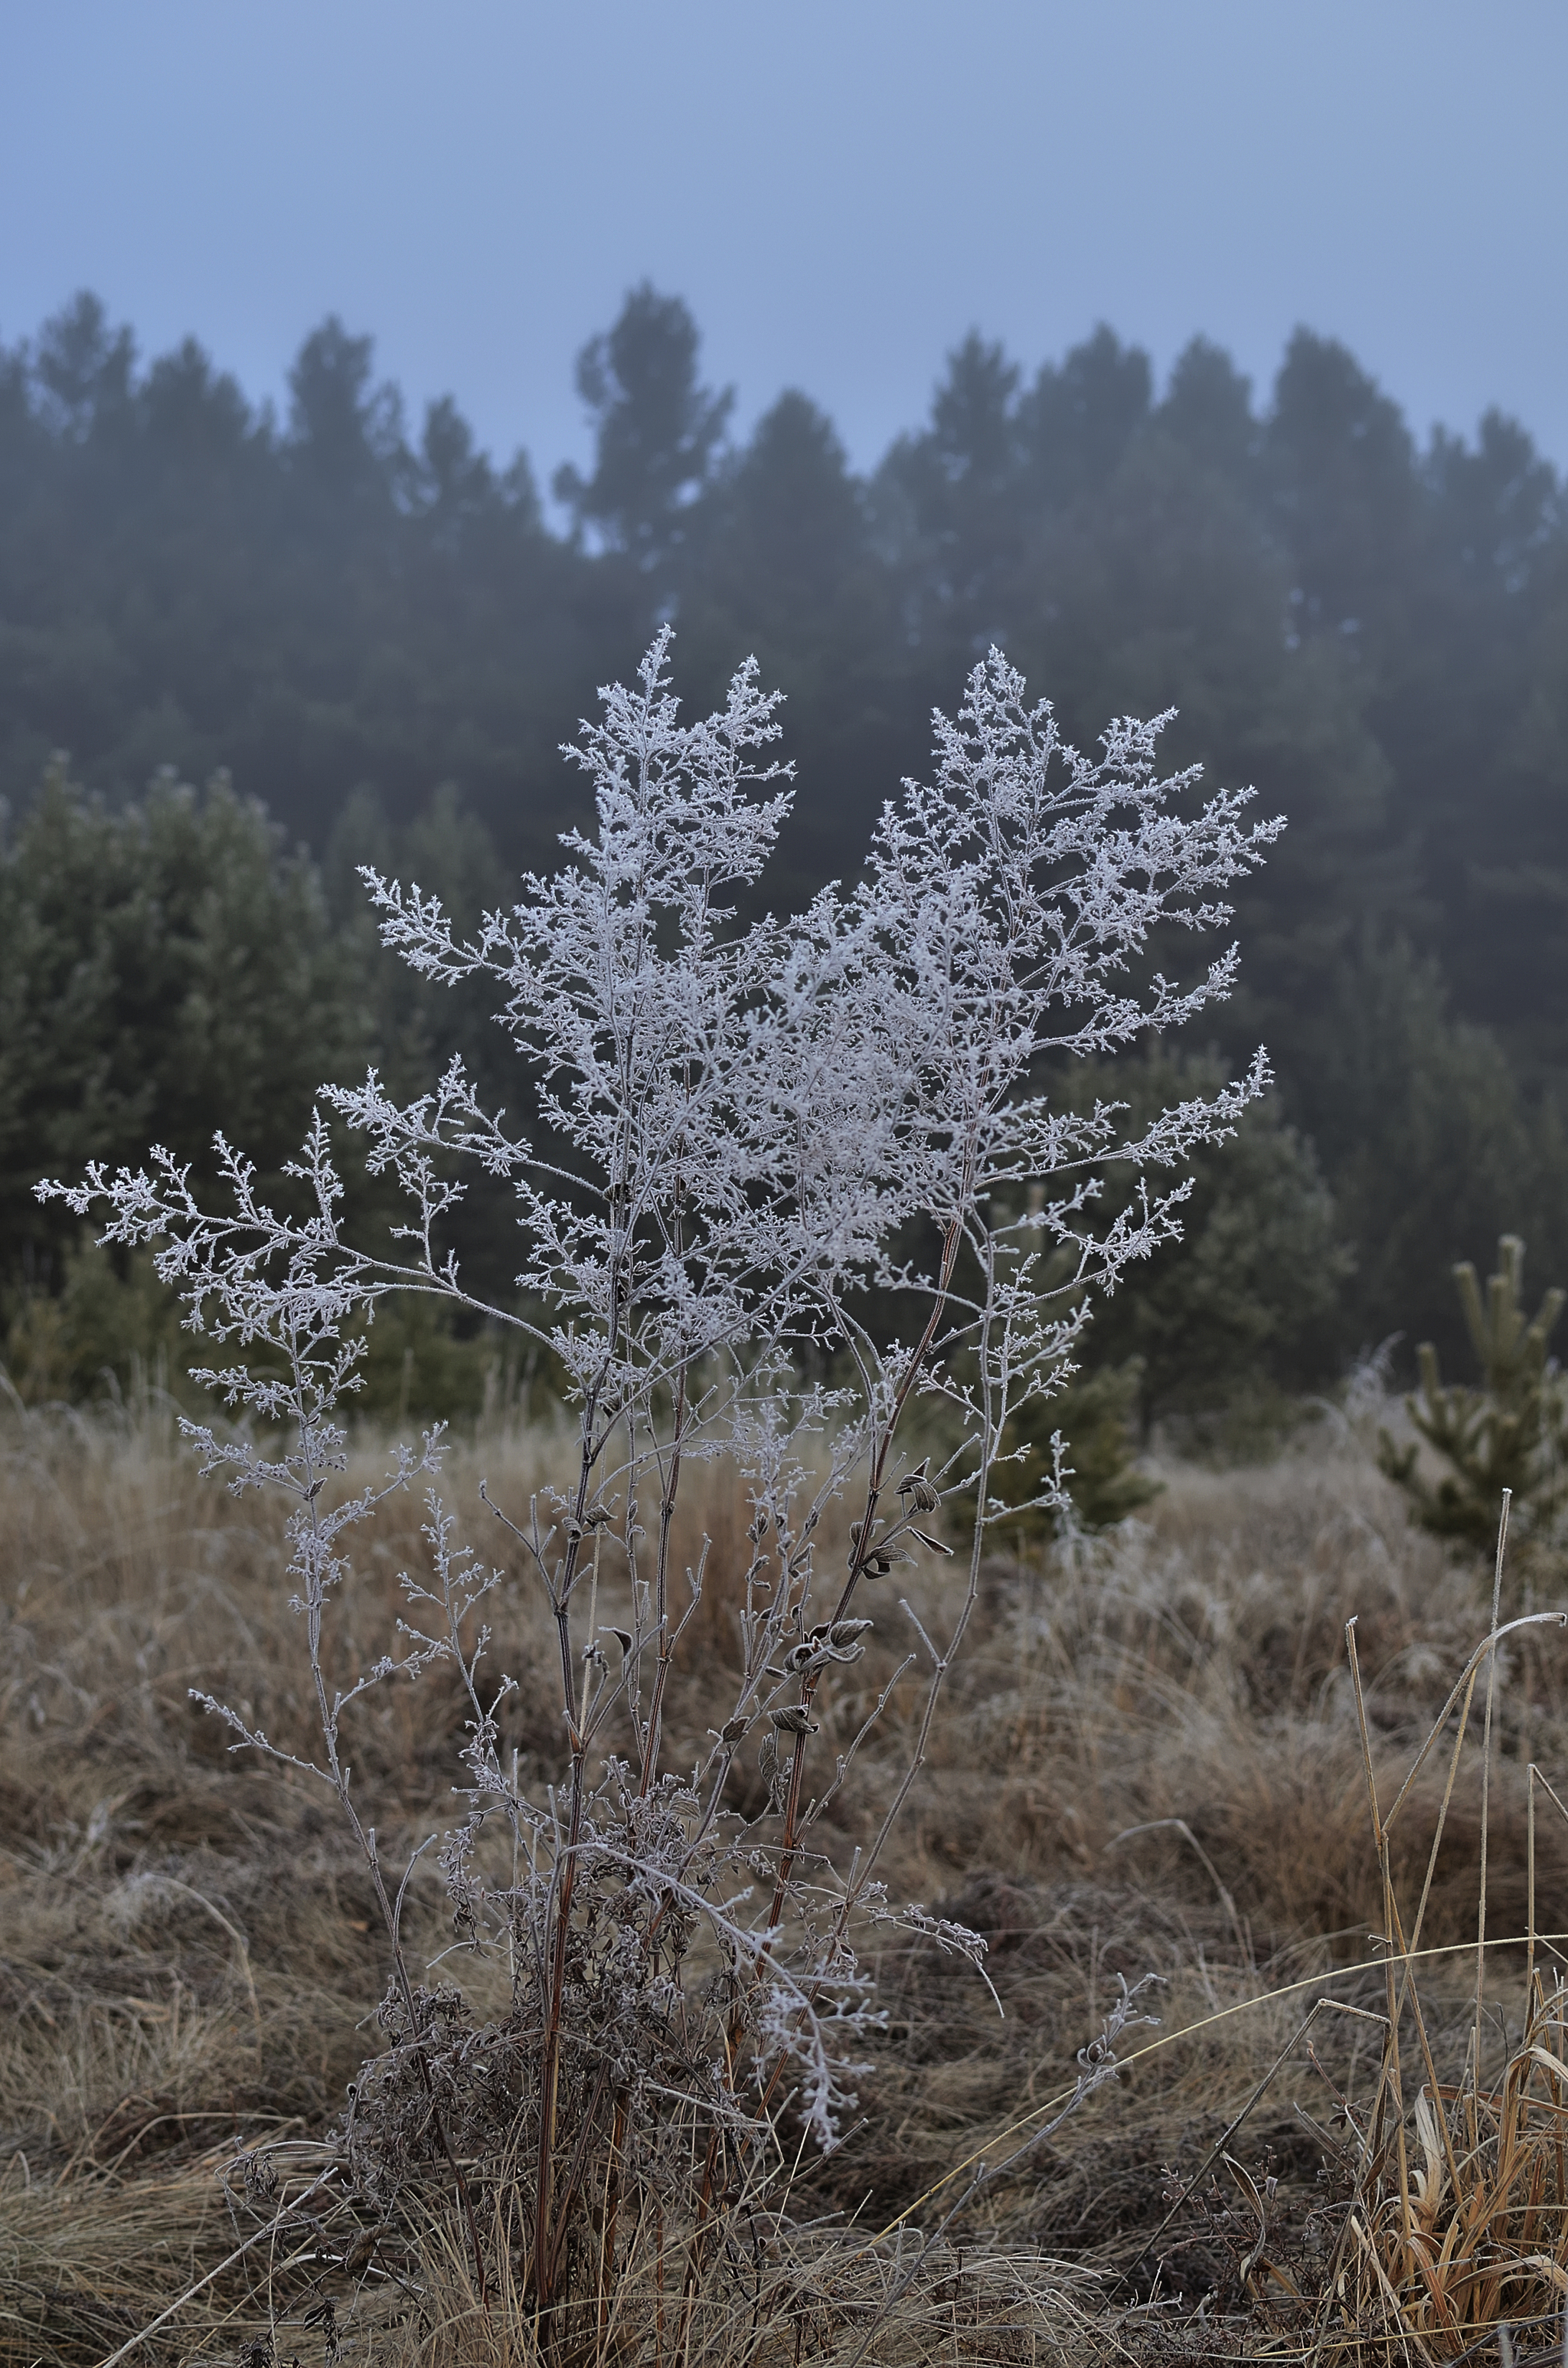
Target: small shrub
728, 1128
1510, 1432
1093, 1416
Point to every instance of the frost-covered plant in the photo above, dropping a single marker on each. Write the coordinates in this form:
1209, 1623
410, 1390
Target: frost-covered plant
755, 1155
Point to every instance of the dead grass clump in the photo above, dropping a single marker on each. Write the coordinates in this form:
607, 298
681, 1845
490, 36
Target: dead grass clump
786, 2293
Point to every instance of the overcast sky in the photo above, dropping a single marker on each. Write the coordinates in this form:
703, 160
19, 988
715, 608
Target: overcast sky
838, 191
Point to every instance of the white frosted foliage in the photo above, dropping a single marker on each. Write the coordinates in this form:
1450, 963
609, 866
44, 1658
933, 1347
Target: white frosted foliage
772, 1180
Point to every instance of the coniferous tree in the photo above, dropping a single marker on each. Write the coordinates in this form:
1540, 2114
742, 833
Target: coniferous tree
657, 433
1207, 410
344, 607
789, 574
1509, 1433
1429, 1141
948, 502
155, 964
1253, 1294
1340, 467
1079, 420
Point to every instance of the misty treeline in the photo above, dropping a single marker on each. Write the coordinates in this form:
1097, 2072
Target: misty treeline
364, 642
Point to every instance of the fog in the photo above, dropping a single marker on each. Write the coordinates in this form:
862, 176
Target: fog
840, 194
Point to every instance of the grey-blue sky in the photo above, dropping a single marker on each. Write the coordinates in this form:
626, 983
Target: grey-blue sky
840, 192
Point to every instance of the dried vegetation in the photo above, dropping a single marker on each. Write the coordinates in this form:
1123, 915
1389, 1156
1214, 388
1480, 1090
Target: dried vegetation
1150, 1761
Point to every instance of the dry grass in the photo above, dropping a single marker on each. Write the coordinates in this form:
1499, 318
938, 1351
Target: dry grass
1150, 1761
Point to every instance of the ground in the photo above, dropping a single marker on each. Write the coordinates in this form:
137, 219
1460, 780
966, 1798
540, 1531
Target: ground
1150, 1761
